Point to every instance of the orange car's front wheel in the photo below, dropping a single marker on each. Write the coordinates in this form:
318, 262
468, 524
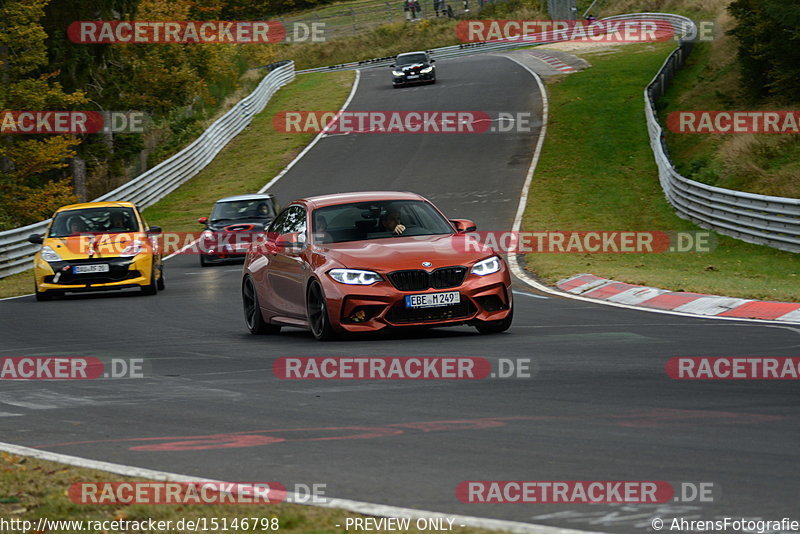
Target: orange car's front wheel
317, 311
495, 327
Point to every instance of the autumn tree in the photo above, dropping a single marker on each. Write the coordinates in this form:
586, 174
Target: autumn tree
29, 190
768, 32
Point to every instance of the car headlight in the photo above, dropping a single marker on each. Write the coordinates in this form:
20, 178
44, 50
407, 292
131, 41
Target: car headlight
426, 70
133, 248
355, 277
487, 266
48, 254
397, 72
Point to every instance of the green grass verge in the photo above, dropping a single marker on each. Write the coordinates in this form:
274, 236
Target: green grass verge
597, 172
255, 156
16, 284
31, 489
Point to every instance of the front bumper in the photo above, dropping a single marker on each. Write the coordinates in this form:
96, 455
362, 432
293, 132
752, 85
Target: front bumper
227, 246
405, 80
122, 273
225, 257
373, 308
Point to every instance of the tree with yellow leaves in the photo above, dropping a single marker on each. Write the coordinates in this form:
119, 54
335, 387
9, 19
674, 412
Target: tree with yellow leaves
28, 190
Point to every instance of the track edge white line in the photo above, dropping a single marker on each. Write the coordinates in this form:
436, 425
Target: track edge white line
344, 504
520, 273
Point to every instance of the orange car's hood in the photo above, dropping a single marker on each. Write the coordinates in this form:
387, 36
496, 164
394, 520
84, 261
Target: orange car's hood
396, 253
92, 245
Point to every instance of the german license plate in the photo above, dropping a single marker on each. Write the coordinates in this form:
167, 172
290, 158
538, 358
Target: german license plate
430, 300
412, 76
95, 268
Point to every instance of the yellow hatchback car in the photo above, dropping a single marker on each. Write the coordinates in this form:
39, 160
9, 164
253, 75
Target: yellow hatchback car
97, 246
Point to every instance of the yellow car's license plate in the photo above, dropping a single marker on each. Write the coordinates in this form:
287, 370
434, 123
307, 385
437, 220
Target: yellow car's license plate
94, 268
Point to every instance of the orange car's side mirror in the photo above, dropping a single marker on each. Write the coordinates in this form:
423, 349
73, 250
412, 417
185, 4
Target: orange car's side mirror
464, 225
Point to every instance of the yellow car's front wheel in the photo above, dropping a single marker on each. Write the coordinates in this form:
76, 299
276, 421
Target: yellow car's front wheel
152, 287
42, 295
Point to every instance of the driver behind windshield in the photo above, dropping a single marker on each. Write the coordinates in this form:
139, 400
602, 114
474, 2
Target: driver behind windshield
118, 223
390, 221
263, 210
76, 226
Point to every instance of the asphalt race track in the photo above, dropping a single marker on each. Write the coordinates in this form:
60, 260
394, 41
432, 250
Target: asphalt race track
598, 404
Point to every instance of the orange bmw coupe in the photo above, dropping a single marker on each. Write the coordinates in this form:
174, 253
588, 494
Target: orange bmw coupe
362, 262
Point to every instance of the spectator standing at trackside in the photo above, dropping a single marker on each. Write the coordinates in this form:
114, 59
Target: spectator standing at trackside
436, 7
466, 6
407, 8
417, 9
449, 11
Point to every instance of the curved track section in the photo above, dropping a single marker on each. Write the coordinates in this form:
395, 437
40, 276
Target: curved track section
598, 406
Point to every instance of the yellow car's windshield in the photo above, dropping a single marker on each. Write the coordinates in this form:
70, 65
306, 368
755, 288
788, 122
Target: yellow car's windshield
94, 220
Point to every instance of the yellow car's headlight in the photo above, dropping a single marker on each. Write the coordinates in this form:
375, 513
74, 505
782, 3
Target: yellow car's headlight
49, 255
133, 248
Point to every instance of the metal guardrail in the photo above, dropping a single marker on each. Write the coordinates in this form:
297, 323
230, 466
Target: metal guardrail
760, 219
466, 49
444, 52
495, 45
153, 185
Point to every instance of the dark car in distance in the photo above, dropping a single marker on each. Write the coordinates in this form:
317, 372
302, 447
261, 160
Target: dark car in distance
413, 67
234, 223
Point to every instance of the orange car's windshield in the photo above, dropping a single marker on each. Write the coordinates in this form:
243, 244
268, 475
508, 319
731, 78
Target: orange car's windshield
360, 221
94, 220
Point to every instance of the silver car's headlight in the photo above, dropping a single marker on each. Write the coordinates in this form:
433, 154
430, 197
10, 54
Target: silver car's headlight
487, 266
48, 254
397, 73
426, 70
355, 277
